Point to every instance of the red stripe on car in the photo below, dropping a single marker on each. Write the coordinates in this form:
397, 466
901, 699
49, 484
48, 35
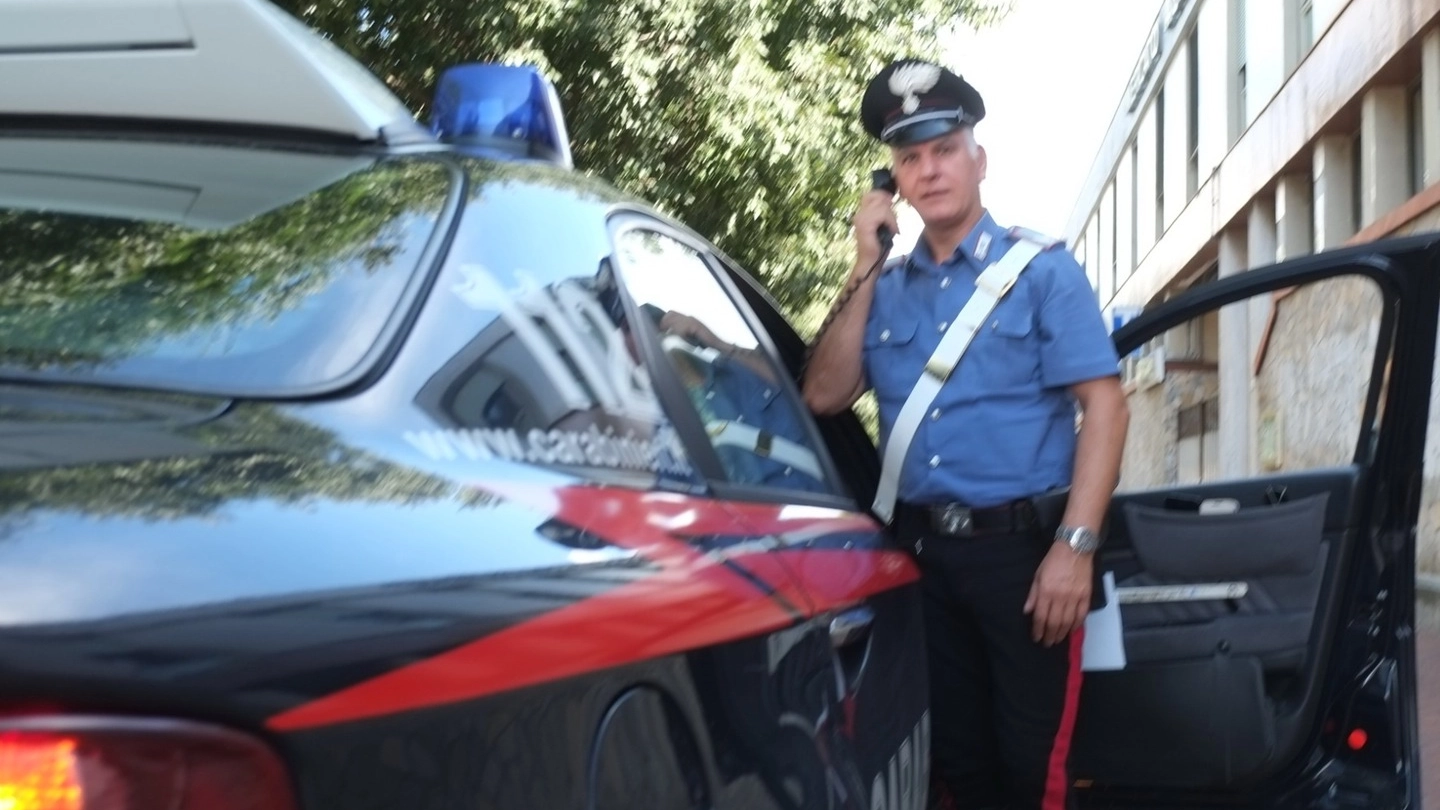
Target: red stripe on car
693, 601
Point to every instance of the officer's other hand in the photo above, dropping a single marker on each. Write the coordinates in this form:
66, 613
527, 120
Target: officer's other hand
1059, 598
875, 210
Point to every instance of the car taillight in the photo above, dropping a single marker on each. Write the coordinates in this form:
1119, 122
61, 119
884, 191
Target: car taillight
38, 771
96, 763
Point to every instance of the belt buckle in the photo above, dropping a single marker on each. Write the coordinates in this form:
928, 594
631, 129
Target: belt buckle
938, 370
955, 519
996, 291
764, 444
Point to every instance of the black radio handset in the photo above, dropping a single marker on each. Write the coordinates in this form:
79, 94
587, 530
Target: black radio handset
881, 179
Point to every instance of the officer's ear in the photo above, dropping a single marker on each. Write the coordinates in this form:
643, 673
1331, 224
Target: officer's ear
976, 151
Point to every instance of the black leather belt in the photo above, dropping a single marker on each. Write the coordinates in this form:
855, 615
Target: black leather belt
959, 520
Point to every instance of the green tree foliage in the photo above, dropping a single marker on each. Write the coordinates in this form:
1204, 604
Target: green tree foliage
256, 452
737, 116
85, 289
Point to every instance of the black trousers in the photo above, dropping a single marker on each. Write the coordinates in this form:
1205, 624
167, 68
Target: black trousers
1002, 706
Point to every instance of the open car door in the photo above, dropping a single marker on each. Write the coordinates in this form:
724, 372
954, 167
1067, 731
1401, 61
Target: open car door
1267, 591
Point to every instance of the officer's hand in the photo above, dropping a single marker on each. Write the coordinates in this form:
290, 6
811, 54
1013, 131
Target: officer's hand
1059, 598
875, 209
688, 327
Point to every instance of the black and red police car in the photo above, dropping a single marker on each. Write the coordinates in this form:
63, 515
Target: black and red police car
350, 463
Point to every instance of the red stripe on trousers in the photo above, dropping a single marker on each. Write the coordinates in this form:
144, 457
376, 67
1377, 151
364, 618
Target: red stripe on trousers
1057, 781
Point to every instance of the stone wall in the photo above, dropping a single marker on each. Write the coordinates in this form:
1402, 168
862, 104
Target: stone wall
1150, 448
1311, 389
1149, 459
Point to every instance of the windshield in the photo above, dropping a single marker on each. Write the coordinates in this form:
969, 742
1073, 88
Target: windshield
223, 270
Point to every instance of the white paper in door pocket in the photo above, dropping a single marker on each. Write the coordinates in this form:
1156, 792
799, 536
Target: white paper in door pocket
1104, 636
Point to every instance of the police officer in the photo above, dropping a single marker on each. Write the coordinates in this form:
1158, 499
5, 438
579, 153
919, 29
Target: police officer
997, 492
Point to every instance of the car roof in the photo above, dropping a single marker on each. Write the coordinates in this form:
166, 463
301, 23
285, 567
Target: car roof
217, 62
205, 113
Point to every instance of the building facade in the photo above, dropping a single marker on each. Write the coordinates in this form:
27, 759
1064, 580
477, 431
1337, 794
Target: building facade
1254, 131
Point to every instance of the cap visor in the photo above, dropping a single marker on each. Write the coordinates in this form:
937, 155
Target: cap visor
906, 134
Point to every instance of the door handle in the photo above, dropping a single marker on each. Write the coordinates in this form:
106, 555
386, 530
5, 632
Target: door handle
851, 626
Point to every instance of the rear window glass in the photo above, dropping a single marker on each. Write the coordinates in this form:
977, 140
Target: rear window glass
230, 272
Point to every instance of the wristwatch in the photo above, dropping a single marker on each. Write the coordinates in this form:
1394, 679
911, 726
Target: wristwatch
1080, 539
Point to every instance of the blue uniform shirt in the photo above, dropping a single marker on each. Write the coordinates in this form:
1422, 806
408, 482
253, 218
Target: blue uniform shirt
734, 393
1003, 426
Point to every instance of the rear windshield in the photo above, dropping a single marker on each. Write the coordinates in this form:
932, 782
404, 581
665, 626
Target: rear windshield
219, 270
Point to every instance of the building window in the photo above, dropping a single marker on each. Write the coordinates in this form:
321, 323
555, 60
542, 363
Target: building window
1240, 101
1198, 339
1192, 118
1092, 257
1083, 259
1105, 216
1198, 432
1416, 139
1115, 237
1241, 112
1357, 185
1131, 219
1307, 25
1159, 165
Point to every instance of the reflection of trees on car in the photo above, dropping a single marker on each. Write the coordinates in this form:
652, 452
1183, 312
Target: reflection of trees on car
84, 289
256, 453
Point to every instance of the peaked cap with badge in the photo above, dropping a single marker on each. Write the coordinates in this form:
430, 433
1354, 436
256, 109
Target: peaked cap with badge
911, 100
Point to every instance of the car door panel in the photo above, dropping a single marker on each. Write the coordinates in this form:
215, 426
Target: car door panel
1280, 553
864, 597
1266, 617
1231, 669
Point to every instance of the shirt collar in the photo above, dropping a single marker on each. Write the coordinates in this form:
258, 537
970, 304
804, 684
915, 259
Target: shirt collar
978, 247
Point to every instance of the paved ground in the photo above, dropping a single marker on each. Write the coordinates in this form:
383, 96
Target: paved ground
1427, 664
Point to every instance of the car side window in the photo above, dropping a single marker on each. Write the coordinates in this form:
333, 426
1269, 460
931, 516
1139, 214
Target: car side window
1297, 393
542, 370
751, 416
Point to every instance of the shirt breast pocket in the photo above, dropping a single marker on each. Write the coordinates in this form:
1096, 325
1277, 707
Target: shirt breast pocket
893, 358
1009, 347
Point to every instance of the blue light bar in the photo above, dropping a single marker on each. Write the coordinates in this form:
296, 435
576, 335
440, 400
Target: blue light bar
500, 110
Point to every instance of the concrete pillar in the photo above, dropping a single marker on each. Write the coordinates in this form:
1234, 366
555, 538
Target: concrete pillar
1262, 232
1234, 363
1430, 105
1293, 217
1384, 152
1333, 164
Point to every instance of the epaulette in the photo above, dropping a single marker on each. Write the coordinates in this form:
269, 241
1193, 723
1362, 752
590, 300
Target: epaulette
894, 262
1046, 242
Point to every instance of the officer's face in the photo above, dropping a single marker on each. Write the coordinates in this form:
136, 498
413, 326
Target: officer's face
940, 178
